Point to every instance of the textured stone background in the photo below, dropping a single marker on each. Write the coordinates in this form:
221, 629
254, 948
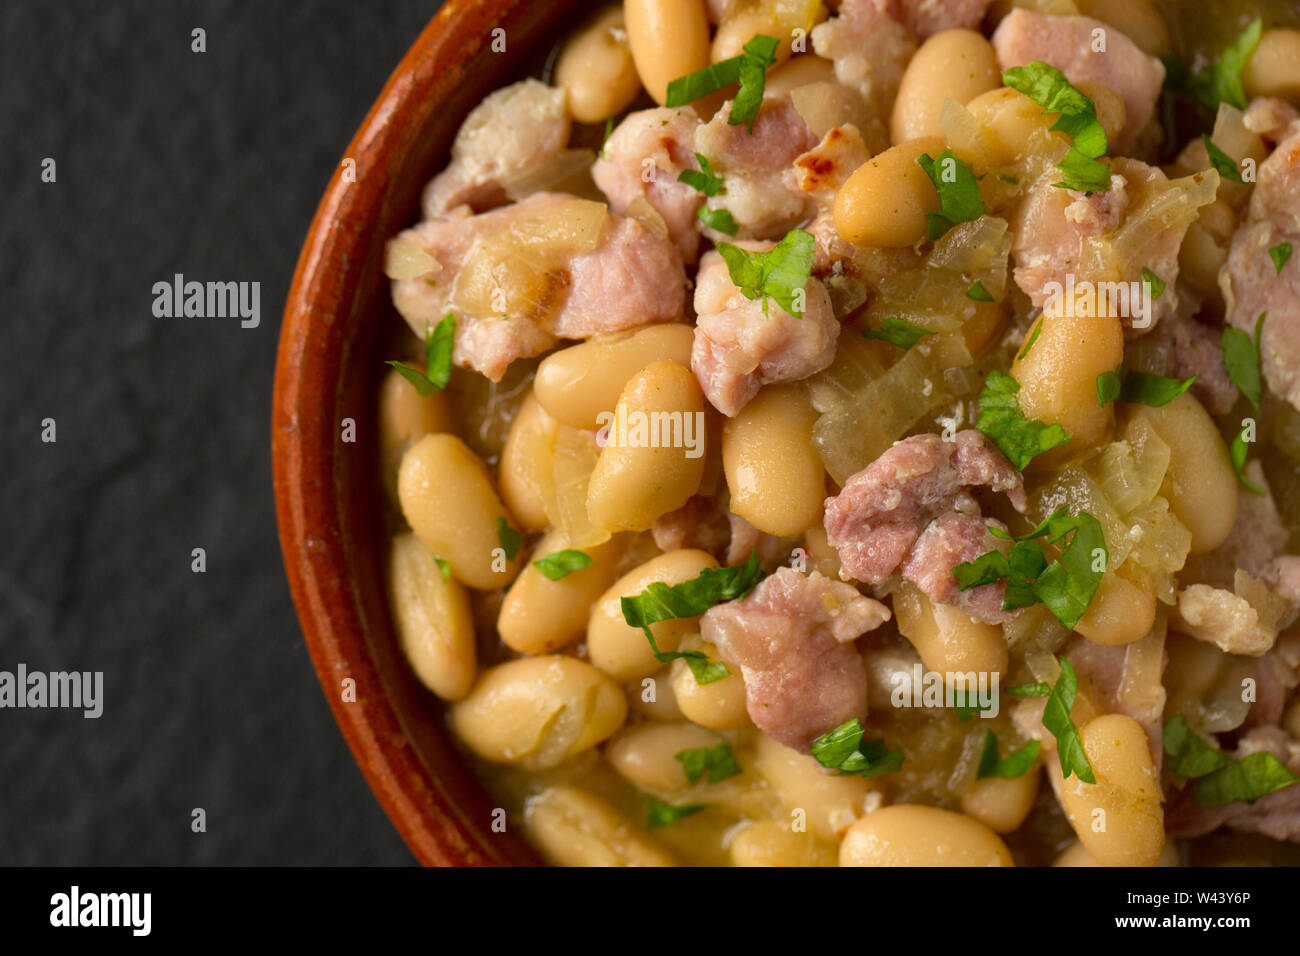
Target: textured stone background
210, 165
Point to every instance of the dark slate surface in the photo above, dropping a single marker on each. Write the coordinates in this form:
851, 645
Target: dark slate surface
210, 165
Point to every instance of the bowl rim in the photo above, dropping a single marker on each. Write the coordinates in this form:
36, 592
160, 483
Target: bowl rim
305, 462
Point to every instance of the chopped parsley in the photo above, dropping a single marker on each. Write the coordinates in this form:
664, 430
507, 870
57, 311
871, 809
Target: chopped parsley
438, 343
444, 568
781, 273
959, 193
897, 332
1139, 388
1280, 254
609, 131
719, 219
718, 763
1056, 718
1048, 87
664, 602
509, 538
1021, 439
1221, 83
1157, 284
660, 814
1225, 164
979, 293
1221, 778
843, 749
1009, 767
701, 179
1037, 689
1038, 330
1066, 585
1237, 454
560, 564
749, 69
1241, 359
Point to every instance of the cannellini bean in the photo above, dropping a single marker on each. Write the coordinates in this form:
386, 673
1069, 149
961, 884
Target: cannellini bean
632, 484
434, 625
775, 475
527, 463
538, 711
1119, 818
576, 384
1200, 483
595, 68
668, 39
1058, 378
1010, 120
951, 64
1274, 69
575, 828
622, 651
825, 804
719, 705
451, 506
914, 835
539, 615
948, 640
885, 201
1123, 610
406, 416
654, 697
646, 755
1000, 804
766, 843
1076, 854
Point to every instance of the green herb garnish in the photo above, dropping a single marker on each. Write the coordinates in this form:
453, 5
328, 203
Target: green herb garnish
719, 219
1157, 284
959, 193
979, 293
560, 564
898, 332
1221, 778
1280, 254
1056, 718
438, 344
843, 749
701, 179
718, 762
1009, 767
1021, 439
1139, 388
749, 69
660, 814
781, 273
1225, 164
1048, 87
1221, 83
1241, 359
509, 538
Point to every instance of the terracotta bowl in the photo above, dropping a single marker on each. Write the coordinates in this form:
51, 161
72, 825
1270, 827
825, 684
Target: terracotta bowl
328, 499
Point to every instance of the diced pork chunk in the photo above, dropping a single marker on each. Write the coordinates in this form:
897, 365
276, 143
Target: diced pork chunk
1275, 815
707, 523
1249, 279
738, 348
753, 167
1278, 184
870, 49
633, 276
1182, 347
924, 18
1223, 618
1054, 226
1269, 117
792, 638
642, 159
949, 540
507, 136
876, 519
818, 174
1068, 44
